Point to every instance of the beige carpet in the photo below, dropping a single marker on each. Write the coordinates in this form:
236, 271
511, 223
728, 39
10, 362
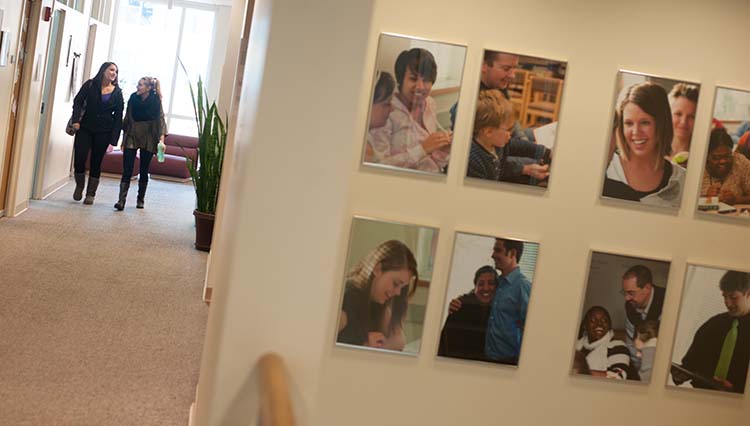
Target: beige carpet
101, 318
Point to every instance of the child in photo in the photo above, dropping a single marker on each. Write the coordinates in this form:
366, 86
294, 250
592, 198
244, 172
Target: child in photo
645, 345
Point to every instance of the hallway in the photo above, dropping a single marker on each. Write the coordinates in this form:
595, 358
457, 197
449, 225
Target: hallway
101, 318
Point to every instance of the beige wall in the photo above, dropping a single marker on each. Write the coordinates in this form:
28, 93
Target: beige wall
289, 211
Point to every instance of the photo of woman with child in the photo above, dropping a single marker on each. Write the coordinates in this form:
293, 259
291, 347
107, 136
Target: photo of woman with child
619, 328
415, 134
380, 283
650, 146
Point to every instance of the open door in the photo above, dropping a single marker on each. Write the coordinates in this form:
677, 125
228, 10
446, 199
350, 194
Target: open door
64, 77
50, 84
15, 96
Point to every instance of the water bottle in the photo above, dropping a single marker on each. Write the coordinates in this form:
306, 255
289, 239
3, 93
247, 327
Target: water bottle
160, 152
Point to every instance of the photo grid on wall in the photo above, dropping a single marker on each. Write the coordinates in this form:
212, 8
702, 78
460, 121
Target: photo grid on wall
412, 115
487, 298
384, 292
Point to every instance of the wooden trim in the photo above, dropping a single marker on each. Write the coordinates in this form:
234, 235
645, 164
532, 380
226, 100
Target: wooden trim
207, 293
6, 161
275, 404
423, 283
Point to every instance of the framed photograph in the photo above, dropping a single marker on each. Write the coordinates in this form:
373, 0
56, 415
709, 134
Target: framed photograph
712, 345
384, 291
620, 317
487, 298
515, 118
415, 84
725, 185
649, 143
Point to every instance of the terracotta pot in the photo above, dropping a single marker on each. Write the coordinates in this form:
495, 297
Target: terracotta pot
204, 230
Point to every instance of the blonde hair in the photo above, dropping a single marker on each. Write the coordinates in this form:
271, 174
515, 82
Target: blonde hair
153, 84
492, 110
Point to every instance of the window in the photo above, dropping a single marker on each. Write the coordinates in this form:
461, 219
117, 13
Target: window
151, 39
73, 4
100, 10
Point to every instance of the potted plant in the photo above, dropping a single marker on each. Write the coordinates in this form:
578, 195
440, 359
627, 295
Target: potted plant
206, 174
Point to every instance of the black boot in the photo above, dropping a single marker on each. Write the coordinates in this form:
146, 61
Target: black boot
141, 193
91, 190
120, 204
80, 183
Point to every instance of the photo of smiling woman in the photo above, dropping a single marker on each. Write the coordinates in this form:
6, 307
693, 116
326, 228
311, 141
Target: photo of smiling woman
385, 288
651, 138
415, 132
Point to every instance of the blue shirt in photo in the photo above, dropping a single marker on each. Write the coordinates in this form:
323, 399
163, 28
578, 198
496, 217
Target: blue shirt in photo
508, 317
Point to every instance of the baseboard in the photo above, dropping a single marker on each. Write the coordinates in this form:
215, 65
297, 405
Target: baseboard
21, 208
207, 292
191, 414
46, 192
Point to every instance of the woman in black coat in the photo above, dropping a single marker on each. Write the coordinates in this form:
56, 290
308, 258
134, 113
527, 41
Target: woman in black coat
97, 118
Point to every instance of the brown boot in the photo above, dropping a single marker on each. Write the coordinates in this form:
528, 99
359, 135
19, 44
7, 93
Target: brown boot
91, 190
80, 184
141, 194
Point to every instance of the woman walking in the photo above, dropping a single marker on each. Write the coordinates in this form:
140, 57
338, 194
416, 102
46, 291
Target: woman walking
97, 119
144, 129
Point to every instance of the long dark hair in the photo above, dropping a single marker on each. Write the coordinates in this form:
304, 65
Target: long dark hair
97, 80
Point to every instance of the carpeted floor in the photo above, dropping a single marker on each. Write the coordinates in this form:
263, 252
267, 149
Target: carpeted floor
101, 318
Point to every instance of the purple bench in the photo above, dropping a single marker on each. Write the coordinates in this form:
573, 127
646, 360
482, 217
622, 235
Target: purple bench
174, 167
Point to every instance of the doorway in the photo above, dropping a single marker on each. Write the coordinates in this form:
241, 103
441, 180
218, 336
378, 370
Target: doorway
15, 96
53, 62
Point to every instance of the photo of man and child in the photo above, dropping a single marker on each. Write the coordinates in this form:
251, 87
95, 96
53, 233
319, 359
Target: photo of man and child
712, 345
487, 298
620, 319
650, 139
515, 121
725, 185
388, 273
415, 84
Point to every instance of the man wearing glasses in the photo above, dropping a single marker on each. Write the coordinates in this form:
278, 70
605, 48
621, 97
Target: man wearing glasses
643, 302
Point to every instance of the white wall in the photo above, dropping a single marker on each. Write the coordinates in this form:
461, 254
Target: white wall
290, 208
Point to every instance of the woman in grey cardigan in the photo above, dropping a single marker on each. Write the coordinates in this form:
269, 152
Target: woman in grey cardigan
144, 128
